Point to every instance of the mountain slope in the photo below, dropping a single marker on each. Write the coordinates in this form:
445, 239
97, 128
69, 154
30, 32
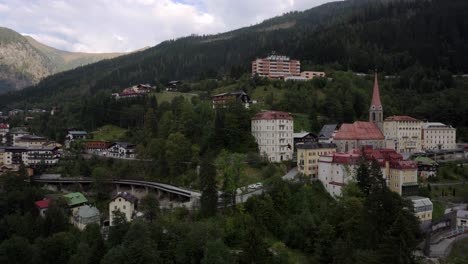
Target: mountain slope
359, 35
24, 61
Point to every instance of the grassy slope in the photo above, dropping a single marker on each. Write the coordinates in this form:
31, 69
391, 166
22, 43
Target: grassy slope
459, 252
109, 133
168, 96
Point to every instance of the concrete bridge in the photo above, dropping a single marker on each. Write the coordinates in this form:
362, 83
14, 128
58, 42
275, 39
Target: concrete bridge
171, 194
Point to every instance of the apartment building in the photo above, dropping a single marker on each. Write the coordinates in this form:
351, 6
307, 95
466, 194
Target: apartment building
308, 155
438, 136
309, 75
336, 170
276, 67
403, 133
273, 131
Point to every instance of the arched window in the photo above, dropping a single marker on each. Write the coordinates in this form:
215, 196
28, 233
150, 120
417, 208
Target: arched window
373, 116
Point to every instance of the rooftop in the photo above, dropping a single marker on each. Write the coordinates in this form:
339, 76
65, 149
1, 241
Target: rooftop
419, 201
316, 146
43, 204
462, 214
401, 118
75, 198
272, 115
435, 125
127, 196
87, 211
359, 130
327, 131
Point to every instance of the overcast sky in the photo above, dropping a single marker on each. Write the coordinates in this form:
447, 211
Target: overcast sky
126, 25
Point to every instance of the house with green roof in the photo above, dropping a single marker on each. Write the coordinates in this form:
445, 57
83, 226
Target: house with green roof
75, 199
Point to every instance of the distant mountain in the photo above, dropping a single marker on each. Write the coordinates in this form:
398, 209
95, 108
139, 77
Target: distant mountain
25, 61
355, 35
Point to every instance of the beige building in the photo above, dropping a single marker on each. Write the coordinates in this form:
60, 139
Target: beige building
273, 132
308, 155
438, 136
276, 67
125, 203
403, 134
309, 75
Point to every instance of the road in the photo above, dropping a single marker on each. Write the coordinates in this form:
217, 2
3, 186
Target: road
241, 198
446, 183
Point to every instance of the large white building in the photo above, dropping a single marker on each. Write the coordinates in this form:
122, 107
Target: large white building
273, 132
438, 136
403, 134
337, 169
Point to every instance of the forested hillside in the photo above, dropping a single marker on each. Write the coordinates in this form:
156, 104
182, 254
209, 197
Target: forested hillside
352, 35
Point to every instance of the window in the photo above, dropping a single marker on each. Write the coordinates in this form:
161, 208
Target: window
115, 207
124, 207
120, 200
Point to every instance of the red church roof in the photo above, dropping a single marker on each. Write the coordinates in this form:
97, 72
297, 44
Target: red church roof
272, 115
376, 94
43, 204
359, 131
400, 118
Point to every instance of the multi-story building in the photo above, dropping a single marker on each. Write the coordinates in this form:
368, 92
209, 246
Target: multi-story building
357, 135
31, 156
438, 136
403, 133
29, 141
273, 132
309, 75
336, 170
122, 150
308, 155
125, 203
276, 67
97, 147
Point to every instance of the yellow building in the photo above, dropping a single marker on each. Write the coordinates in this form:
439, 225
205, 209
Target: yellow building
30, 141
403, 177
308, 155
422, 208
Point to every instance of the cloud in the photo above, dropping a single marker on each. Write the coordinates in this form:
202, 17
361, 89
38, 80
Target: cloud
126, 25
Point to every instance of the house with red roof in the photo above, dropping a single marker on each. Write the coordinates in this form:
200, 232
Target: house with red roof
273, 131
43, 205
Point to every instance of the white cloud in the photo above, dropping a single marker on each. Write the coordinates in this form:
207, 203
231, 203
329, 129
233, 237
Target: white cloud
125, 25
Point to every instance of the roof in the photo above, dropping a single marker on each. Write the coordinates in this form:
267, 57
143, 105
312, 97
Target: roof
359, 130
401, 118
75, 198
419, 201
425, 161
404, 165
303, 135
31, 138
376, 94
43, 204
435, 125
337, 183
327, 131
125, 145
76, 132
346, 158
235, 93
127, 196
4, 126
272, 115
87, 211
462, 214
314, 145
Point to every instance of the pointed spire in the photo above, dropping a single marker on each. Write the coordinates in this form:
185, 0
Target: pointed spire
376, 104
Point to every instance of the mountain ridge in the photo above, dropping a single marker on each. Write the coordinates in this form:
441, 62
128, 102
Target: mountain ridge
25, 61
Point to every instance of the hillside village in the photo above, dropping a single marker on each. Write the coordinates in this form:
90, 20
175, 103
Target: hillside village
291, 159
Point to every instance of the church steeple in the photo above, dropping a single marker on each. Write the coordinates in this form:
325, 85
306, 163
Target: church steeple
376, 109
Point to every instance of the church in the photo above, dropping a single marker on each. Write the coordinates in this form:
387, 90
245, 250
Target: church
359, 134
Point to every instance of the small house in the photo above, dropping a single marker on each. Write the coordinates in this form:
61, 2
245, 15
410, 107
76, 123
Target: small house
124, 202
